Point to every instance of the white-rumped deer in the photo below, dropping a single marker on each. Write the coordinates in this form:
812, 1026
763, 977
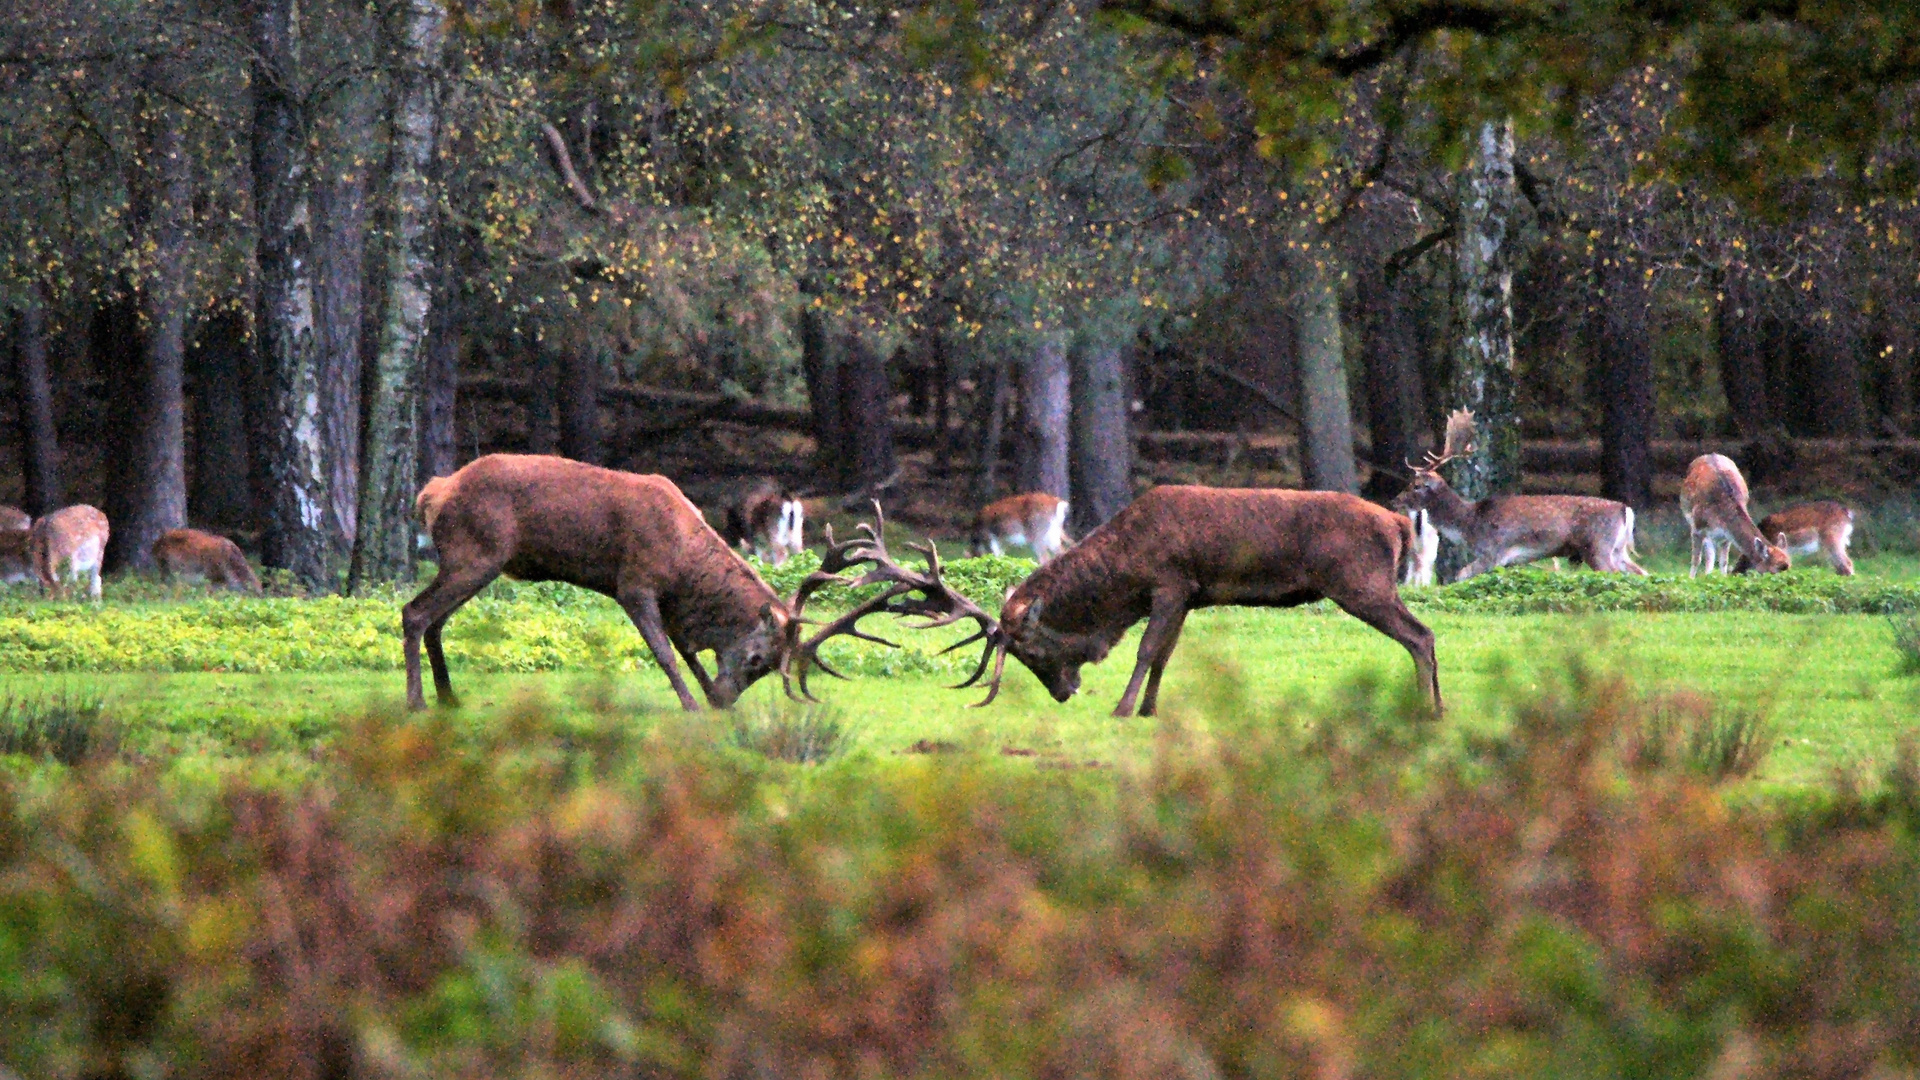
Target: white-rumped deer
634, 538
1507, 529
192, 555
68, 543
1825, 527
1713, 499
1036, 519
1168, 552
1426, 549
768, 520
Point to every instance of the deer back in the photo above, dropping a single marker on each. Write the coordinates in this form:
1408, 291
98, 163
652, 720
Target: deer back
14, 519
1714, 492
76, 534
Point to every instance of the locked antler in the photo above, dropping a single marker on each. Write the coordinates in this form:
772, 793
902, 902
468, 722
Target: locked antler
1458, 442
925, 595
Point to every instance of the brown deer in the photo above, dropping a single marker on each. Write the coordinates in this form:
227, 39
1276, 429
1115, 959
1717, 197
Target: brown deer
192, 555
1170, 551
634, 538
14, 519
69, 543
769, 520
1825, 527
1508, 529
1713, 499
16, 565
1035, 519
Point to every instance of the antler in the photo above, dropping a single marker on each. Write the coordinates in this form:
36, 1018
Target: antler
1458, 442
909, 593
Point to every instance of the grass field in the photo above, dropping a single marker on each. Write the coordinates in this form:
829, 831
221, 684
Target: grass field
1828, 684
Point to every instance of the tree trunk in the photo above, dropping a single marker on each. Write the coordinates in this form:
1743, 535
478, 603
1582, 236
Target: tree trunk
1833, 368
115, 344
1326, 416
440, 384
219, 359
341, 302
1044, 410
384, 547
992, 427
1388, 350
1621, 317
866, 394
820, 364
580, 405
40, 444
1102, 438
1743, 366
1483, 358
293, 472
942, 404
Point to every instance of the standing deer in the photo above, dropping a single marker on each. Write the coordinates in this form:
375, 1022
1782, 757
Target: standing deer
16, 564
1170, 551
192, 555
1508, 529
1713, 499
769, 520
1825, 527
70, 543
634, 538
1036, 519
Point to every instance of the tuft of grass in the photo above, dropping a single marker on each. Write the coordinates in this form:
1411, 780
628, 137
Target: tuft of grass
806, 736
1906, 640
1716, 743
66, 726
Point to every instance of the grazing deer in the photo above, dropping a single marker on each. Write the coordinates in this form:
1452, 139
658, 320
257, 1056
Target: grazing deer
70, 543
1508, 529
1426, 549
769, 520
192, 555
1036, 519
634, 538
14, 519
1825, 527
1168, 552
16, 565
1713, 499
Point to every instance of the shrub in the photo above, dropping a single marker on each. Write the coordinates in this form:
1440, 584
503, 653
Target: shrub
803, 736
67, 727
1906, 640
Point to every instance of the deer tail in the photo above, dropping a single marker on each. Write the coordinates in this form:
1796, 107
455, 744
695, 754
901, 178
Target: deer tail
434, 495
1629, 547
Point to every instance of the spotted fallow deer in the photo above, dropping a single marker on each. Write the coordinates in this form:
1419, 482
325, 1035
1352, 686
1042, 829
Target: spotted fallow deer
1713, 499
68, 543
192, 555
1824, 527
1036, 519
1508, 529
634, 538
768, 520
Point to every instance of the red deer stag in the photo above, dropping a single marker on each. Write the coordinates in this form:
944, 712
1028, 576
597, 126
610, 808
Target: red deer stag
69, 543
1509, 529
769, 520
192, 555
634, 538
1170, 551
1036, 519
1825, 527
1713, 499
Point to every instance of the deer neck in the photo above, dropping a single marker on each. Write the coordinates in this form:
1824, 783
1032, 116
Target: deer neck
1451, 515
718, 601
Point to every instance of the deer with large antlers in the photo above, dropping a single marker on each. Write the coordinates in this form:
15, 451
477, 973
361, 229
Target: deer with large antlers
1508, 529
634, 538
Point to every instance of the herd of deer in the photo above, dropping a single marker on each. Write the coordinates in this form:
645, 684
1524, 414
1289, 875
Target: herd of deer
639, 540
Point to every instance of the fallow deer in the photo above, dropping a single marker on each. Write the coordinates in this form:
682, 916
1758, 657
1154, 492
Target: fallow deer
1825, 527
1508, 529
69, 543
1713, 499
1426, 549
16, 565
634, 538
1036, 519
192, 555
1168, 552
14, 519
769, 520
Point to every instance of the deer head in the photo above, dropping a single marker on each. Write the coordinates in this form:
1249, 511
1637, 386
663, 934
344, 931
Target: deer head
1427, 484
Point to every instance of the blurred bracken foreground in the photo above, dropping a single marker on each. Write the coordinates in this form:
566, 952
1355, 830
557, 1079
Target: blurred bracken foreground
1354, 894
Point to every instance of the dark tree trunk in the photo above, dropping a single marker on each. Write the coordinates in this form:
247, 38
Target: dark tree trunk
580, 405
40, 443
1389, 350
1045, 406
942, 404
115, 345
220, 495
1743, 365
543, 436
991, 424
293, 467
439, 387
1102, 442
1833, 369
821, 365
1894, 354
1620, 331
1783, 347
1326, 414
866, 394
340, 245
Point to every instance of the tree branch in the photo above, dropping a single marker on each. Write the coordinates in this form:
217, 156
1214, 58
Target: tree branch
562, 163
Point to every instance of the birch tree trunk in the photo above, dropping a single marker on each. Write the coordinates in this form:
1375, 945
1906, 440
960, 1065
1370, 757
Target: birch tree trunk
41, 460
383, 548
1044, 411
1483, 358
1102, 444
293, 473
1326, 415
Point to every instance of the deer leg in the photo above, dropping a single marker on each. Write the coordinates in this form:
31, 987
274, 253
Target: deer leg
1391, 617
1163, 626
1478, 566
423, 617
692, 657
643, 607
1150, 704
